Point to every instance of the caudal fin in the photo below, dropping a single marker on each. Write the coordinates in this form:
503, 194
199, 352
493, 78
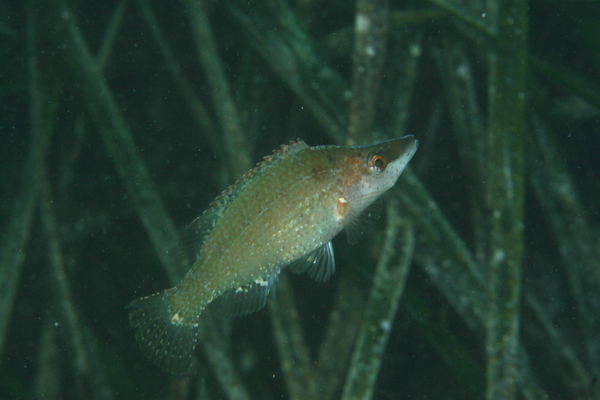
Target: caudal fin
163, 336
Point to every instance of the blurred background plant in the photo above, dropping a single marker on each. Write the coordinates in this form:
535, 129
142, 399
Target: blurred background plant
121, 120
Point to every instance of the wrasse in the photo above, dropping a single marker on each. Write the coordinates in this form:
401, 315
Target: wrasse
282, 213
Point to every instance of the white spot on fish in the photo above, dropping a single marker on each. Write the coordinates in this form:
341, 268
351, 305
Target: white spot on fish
176, 319
262, 282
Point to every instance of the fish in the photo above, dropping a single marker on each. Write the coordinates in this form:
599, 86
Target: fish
282, 214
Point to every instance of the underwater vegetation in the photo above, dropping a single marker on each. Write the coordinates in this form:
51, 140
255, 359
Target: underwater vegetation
122, 120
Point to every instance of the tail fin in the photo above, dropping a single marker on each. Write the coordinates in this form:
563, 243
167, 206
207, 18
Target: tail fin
163, 336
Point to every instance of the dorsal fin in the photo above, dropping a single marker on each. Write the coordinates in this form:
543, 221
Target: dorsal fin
196, 232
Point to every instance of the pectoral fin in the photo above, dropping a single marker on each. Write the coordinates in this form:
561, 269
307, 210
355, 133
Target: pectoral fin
319, 265
360, 225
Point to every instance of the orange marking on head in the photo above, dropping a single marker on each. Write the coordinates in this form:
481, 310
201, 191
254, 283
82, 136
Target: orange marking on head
352, 172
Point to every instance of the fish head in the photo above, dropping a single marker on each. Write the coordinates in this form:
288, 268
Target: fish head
375, 168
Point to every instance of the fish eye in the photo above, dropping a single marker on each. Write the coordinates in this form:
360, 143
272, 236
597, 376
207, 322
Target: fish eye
377, 163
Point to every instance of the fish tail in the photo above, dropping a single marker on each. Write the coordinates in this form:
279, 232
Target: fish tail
162, 332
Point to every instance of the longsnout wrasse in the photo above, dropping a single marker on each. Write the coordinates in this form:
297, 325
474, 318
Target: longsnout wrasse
281, 214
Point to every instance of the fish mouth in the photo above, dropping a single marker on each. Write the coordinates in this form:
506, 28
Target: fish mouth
408, 146
399, 149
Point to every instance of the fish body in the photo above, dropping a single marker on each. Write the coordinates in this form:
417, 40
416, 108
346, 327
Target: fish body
283, 213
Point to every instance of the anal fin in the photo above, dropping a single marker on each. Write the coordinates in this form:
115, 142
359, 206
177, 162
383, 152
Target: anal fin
247, 298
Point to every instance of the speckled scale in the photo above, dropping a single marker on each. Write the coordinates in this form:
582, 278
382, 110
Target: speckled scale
197, 231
